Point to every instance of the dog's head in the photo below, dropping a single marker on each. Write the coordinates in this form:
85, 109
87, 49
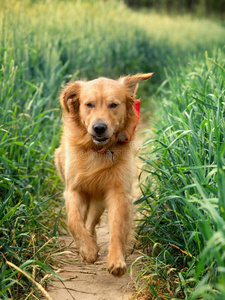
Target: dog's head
103, 107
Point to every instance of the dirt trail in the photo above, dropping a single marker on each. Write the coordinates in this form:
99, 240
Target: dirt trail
82, 281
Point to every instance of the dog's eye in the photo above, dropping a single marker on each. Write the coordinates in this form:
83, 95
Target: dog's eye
90, 105
113, 105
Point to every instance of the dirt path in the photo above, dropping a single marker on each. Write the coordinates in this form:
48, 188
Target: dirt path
82, 281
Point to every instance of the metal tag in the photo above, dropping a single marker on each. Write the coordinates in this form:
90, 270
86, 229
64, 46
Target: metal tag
110, 155
122, 137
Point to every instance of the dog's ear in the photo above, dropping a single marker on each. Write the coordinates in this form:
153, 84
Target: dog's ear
131, 82
70, 95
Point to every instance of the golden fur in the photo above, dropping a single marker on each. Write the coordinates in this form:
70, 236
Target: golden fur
95, 167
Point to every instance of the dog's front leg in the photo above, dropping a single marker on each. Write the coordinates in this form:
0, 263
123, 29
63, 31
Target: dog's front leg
77, 207
120, 212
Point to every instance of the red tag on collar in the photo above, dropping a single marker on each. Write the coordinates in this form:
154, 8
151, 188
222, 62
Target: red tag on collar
137, 105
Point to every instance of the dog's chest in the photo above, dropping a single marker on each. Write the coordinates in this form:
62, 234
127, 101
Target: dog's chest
95, 173
91, 173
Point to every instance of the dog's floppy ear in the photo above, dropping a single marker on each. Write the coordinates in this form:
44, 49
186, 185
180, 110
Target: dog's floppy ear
70, 95
131, 82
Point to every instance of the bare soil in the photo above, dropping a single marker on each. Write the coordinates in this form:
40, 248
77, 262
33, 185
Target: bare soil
90, 281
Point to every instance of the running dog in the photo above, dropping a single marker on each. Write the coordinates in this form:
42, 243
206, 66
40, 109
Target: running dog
95, 161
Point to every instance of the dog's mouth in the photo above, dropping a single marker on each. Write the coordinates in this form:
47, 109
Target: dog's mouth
100, 140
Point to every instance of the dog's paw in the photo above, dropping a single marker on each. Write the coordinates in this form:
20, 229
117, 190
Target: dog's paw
117, 267
90, 252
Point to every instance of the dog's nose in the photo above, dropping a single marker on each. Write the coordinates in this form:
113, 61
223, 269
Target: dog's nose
99, 128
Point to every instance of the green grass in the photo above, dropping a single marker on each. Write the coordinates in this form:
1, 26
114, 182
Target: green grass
42, 46
183, 225
28, 133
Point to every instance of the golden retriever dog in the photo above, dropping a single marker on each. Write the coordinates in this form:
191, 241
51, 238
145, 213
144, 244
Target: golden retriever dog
95, 161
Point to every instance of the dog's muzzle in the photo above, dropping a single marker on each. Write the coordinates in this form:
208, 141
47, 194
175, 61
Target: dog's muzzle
99, 133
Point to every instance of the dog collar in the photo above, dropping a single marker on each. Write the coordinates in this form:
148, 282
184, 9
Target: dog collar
137, 105
122, 137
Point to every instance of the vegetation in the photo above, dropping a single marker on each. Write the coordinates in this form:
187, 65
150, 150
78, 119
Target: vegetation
202, 7
42, 46
183, 219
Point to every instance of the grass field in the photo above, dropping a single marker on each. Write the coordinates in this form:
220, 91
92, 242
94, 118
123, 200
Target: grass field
45, 44
183, 204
